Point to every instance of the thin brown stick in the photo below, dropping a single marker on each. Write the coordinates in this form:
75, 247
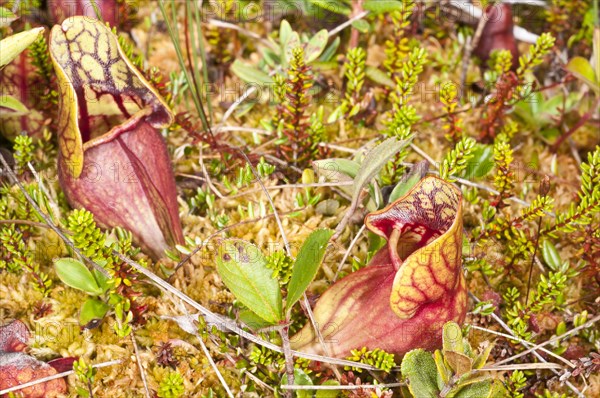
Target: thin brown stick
139, 363
586, 325
287, 354
344, 387
25, 222
347, 253
528, 345
533, 257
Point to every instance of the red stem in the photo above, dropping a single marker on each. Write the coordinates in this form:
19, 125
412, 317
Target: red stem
356, 9
584, 119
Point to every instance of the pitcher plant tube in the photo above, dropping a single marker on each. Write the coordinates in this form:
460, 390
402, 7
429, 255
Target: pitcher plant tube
409, 290
113, 160
497, 34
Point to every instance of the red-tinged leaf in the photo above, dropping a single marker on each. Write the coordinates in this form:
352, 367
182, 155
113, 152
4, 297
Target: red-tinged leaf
14, 336
63, 364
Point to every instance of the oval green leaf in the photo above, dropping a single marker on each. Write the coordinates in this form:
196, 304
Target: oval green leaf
583, 70
292, 42
383, 6
307, 264
75, 274
379, 77
452, 338
331, 168
328, 393
250, 74
253, 321
551, 256
302, 379
285, 30
243, 269
361, 25
334, 6
481, 389
315, 46
482, 162
92, 310
419, 367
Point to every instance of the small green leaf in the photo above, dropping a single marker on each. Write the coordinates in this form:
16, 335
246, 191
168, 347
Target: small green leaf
315, 46
328, 393
480, 389
331, 168
497, 390
583, 70
307, 264
379, 77
404, 186
13, 105
285, 30
92, 310
551, 256
561, 328
302, 379
103, 280
361, 25
452, 338
270, 57
482, 162
374, 161
243, 269
334, 6
383, 6
245, 108
252, 320
75, 274
13, 45
336, 114
330, 51
250, 74
419, 368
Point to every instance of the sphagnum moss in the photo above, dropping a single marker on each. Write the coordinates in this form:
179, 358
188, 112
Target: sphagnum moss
501, 227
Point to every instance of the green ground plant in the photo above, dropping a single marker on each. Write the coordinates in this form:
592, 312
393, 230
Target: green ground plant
286, 133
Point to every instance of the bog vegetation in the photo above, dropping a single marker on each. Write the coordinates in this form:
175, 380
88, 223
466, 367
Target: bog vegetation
341, 198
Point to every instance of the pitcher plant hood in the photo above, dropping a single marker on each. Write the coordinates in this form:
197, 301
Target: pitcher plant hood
113, 160
411, 287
